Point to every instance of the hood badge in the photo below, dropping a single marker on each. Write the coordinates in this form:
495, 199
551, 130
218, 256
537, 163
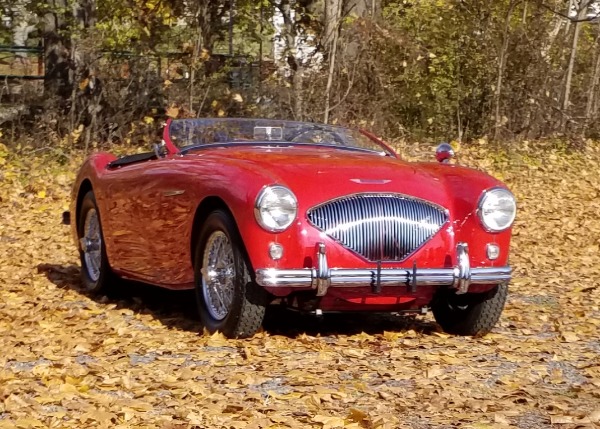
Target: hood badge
371, 181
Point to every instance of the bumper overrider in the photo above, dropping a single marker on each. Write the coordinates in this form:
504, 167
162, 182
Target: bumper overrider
322, 277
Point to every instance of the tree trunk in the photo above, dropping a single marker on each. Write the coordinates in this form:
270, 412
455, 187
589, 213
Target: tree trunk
56, 51
501, 67
592, 91
573, 55
331, 22
295, 67
332, 59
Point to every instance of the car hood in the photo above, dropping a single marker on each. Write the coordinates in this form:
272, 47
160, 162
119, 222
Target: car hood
316, 175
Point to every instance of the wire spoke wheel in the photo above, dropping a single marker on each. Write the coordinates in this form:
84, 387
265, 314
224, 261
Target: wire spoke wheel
91, 245
96, 275
228, 300
218, 275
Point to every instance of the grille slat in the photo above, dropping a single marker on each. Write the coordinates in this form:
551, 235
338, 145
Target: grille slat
379, 227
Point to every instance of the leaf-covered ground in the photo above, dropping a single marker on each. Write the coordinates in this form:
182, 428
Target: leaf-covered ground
137, 359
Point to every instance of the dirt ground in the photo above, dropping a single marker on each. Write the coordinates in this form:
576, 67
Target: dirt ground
138, 359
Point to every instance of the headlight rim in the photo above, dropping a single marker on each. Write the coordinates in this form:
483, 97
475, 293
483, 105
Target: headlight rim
257, 213
484, 194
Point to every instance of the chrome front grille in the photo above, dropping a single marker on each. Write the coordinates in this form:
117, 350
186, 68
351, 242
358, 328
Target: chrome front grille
379, 227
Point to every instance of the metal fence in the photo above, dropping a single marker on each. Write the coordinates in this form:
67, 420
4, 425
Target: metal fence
27, 63
21, 62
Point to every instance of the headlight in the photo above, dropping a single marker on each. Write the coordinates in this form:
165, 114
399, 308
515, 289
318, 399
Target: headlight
497, 209
276, 208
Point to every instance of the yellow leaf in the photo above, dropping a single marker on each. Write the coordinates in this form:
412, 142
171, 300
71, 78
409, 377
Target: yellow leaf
594, 417
557, 420
221, 113
149, 120
434, 371
358, 416
99, 416
329, 422
570, 337
28, 422
172, 111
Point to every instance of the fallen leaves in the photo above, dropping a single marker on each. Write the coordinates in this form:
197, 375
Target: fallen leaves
138, 359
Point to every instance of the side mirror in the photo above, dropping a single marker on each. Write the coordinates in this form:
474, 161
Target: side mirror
444, 153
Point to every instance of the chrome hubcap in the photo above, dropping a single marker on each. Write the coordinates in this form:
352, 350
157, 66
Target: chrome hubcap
91, 245
218, 275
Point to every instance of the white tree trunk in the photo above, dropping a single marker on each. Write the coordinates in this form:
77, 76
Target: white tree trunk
331, 22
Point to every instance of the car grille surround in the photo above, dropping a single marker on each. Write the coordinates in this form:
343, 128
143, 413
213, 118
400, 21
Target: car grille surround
384, 227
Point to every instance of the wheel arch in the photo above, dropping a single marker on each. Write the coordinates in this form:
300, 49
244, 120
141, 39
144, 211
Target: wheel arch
206, 207
84, 188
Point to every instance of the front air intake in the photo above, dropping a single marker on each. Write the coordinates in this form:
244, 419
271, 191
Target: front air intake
379, 227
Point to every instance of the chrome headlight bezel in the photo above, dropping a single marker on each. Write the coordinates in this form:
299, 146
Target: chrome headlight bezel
484, 214
269, 194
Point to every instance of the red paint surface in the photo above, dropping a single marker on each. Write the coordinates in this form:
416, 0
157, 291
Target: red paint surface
148, 235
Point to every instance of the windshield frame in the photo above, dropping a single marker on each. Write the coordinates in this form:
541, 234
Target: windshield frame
379, 147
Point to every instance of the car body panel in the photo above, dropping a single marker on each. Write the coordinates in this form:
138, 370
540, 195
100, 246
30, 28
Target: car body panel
147, 210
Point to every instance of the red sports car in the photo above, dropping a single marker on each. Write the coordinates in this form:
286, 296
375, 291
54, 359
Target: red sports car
321, 218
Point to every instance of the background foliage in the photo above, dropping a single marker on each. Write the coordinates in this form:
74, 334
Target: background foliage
445, 69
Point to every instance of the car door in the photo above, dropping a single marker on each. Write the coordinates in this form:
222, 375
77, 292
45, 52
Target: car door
132, 207
178, 191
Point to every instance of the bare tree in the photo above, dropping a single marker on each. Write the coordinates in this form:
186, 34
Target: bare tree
594, 81
502, 65
332, 58
581, 15
331, 17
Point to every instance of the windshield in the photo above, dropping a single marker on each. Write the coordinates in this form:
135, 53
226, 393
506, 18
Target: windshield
188, 134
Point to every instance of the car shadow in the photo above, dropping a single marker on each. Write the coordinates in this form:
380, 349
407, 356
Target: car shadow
177, 309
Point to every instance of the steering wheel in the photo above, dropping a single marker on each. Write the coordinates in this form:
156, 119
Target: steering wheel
318, 137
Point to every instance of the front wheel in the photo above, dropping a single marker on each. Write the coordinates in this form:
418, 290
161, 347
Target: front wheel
471, 313
228, 300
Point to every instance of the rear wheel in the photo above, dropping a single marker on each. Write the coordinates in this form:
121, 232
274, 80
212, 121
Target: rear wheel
228, 300
96, 275
471, 313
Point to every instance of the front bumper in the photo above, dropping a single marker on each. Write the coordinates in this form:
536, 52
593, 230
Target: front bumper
322, 277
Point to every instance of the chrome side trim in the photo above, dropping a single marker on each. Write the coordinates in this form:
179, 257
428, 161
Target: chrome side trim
322, 277
173, 192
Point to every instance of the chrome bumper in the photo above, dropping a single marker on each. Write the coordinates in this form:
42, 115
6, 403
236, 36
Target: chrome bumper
322, 277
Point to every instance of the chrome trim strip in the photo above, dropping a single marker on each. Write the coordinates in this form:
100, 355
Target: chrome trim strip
322, 277
173, 192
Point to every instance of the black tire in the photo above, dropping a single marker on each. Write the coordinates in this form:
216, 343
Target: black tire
243, 315
98, 280
469, 314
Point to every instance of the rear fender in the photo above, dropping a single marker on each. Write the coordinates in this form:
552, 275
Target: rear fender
89, 178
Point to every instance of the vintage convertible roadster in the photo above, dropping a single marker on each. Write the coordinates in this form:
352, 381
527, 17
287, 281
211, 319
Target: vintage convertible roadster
319, 218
